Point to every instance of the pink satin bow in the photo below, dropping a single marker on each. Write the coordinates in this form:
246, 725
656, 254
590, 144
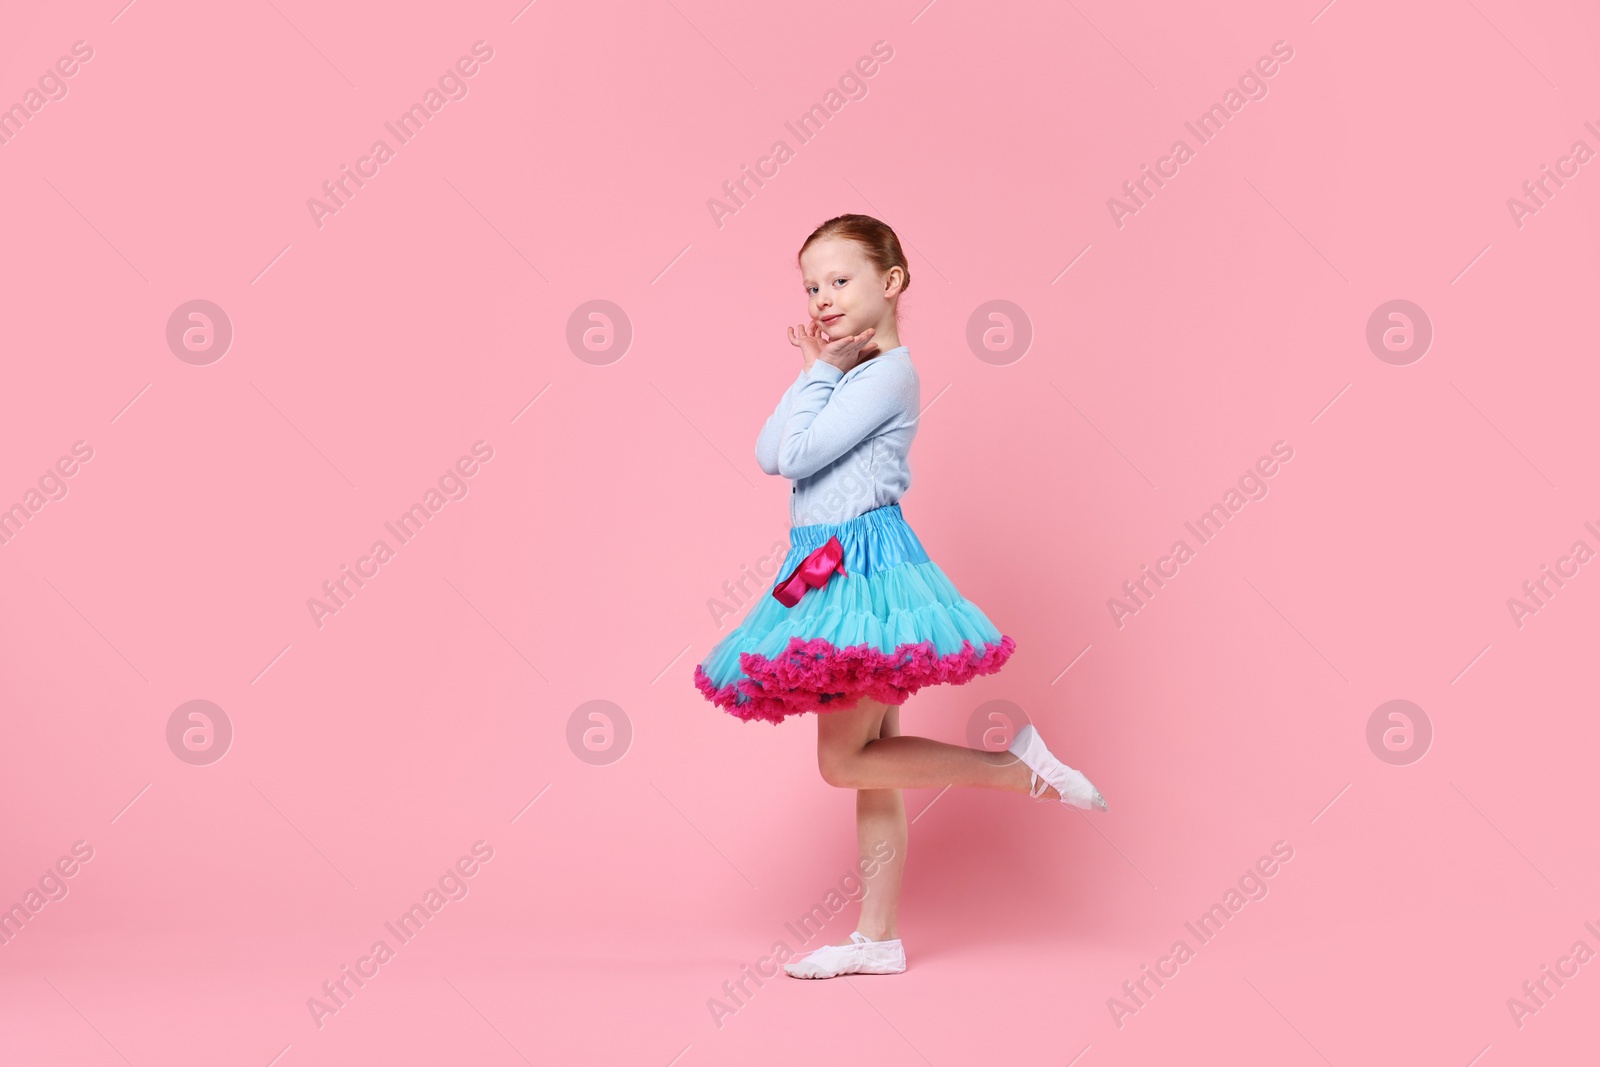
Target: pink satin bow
813, 571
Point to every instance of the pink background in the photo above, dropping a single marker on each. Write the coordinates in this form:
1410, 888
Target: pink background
368, 354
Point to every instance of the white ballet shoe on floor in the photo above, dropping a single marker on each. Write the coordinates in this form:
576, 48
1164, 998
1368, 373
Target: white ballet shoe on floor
862, 956
1048, 771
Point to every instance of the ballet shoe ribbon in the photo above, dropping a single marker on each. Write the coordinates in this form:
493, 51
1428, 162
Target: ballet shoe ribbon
813, 571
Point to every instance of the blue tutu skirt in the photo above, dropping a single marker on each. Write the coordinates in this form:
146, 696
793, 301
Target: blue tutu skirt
887, 626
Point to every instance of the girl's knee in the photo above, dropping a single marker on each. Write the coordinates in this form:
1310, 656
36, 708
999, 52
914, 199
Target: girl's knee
841, 737
836, 771
837, 767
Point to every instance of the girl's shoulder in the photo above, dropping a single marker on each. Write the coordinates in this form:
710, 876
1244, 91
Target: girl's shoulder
894, 363
892, 372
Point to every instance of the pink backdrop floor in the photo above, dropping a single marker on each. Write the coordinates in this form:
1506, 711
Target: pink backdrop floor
224, 384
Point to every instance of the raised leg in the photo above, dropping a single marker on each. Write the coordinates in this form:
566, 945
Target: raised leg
853, 754
862, 748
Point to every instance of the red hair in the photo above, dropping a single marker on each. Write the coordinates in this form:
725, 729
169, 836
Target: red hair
876, 239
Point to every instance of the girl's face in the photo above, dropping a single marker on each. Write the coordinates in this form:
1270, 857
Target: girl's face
846, 292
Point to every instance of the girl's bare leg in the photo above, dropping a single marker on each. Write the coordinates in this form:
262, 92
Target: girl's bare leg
862, 748
851, 754
881, 833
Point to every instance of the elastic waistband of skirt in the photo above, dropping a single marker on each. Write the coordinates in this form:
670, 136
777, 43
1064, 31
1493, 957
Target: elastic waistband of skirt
817, 533
874, 540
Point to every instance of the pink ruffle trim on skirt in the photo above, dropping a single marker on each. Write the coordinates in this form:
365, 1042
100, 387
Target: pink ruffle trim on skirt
816, 676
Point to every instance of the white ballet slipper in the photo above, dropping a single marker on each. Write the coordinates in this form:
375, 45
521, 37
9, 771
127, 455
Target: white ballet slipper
1048, 771
862, 956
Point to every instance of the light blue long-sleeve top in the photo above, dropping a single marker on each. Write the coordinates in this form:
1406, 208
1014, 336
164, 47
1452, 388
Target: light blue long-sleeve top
844, 437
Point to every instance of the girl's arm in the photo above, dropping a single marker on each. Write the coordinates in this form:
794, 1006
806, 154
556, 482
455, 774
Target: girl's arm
823, 425
767, 442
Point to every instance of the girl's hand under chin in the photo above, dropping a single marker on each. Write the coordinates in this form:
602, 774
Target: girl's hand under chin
809, 338
845, 353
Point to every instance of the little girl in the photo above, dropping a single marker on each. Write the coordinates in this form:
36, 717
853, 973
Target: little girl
861, 618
